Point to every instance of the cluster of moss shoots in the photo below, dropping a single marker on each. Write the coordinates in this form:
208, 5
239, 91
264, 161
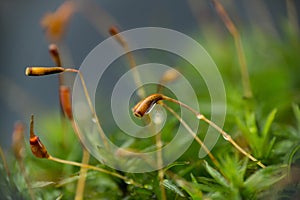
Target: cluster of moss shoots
140, 110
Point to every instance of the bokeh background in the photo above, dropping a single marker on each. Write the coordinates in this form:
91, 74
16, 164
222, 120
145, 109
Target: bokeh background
23, 41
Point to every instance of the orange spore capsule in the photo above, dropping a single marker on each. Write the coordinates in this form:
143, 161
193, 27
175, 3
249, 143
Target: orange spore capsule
143, 107
53, 50
113, 31
37, 147
41, 71
65, 101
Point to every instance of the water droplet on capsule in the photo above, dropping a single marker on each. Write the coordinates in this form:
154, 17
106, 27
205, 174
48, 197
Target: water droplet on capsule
150, 108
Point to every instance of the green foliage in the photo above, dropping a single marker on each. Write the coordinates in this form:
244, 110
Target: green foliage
8, 187
263, 179
258, 137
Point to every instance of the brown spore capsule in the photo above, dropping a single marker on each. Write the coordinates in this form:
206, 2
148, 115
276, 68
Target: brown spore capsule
144, 106
114, 31
37, 147
65, 101
41, 71
53, 50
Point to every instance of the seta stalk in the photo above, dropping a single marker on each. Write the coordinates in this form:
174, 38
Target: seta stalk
145, 106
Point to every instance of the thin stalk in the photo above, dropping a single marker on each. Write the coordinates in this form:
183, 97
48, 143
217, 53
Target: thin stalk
39, 150
136, 76
55, 55
53, 50
129, 181
238, 45
221, 131
144, 106
66, 105
188, 128
82, 175
181, 104
95, 117
229, 139
84, 161
160, 165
